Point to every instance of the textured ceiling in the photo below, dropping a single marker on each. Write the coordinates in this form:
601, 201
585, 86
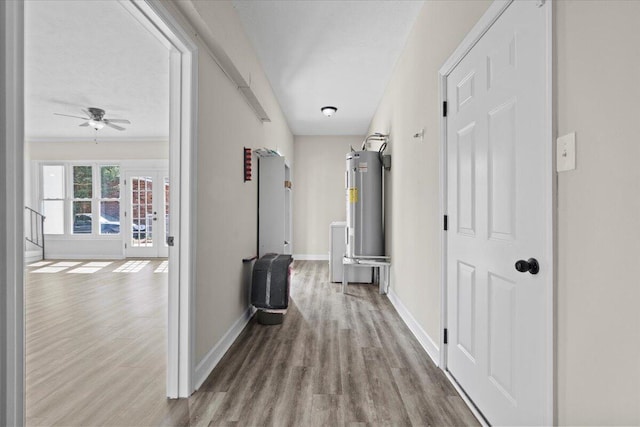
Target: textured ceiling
81, 54
318, 53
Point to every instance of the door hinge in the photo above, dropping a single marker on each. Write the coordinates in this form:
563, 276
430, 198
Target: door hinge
170, 241
444, 109
125, 182
446, 336
540, 3
125, 213
125, 246
446, 223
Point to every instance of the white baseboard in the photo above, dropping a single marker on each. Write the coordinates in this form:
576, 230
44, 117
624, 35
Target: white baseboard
421, 335
54, 256
32, 256
206, 365
311, 257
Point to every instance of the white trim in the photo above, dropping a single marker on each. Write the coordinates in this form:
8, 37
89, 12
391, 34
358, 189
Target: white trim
55, 256
213, 357
442, 86
311, 257
421, 335
482, 26
133, 140
552, 211
12, 376
182, 175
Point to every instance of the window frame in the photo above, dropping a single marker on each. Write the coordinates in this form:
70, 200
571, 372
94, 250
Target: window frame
69, 198
72, 199
99, 199
43, 200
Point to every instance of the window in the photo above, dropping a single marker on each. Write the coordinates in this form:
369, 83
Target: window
93, 195
53, 195
82, 195
109, 200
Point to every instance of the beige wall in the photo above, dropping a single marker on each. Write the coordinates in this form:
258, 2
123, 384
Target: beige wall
226, 229
410, 103
318, 196
598, 72
598, 319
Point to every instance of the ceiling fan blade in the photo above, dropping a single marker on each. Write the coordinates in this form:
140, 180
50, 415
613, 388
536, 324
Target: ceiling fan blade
117, 121
67, 115
113, 126
85, 124
84, 110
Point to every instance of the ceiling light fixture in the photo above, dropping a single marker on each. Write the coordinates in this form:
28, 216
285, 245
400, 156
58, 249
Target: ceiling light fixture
328, 110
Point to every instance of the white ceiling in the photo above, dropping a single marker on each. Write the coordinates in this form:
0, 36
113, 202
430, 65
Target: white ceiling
318, 53
83, 54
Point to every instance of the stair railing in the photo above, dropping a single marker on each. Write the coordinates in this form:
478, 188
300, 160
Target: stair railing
34, 232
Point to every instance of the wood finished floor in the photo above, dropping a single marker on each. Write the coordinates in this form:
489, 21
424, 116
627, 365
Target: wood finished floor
336, 360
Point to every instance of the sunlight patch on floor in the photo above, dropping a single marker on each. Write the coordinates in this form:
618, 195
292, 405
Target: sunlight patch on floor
39, 264
163, 267
50, 270
84, 270
131, 267
66, 264
98, 264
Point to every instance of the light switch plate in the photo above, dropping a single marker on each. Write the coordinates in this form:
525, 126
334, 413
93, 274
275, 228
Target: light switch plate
566, 152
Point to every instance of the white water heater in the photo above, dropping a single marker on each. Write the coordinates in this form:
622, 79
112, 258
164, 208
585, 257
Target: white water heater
364, 204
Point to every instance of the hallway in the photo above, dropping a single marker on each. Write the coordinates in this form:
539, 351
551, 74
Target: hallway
336, 360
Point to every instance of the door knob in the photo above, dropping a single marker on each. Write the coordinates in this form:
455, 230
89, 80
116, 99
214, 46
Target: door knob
531, 265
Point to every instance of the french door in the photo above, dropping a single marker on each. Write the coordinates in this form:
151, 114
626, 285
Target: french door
147, 213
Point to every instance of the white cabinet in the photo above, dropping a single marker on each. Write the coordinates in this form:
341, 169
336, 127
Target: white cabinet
274, 206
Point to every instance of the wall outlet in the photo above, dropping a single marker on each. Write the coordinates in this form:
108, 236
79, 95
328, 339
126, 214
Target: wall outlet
566, 152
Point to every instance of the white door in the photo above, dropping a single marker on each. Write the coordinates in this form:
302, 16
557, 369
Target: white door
147, 213
498, 214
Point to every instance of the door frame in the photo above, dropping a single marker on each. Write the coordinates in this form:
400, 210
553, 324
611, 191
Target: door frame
183, 113
492, 14
11, 214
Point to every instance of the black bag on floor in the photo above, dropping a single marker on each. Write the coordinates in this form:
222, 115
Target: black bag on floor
270, 282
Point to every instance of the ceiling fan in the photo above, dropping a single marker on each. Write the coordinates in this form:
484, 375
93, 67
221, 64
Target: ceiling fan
96, 119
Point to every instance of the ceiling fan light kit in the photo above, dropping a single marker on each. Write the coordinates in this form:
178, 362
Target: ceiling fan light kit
96, 119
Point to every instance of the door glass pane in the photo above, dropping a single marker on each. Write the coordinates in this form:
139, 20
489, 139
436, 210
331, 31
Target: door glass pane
110, 182
166, 208
110, 217
141, 211
82, 217
54, 216
53, 182
82, 188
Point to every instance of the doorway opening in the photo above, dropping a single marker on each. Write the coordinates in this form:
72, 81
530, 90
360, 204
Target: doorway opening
182, 124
